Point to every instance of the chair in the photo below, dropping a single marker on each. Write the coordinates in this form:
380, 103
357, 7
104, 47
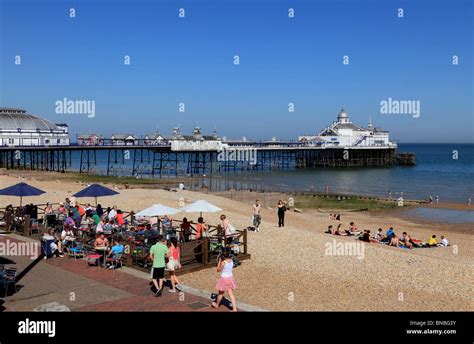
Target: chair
9, 277
93, 259
77, 251
114, 261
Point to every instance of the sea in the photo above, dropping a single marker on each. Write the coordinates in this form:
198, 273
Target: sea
443, 170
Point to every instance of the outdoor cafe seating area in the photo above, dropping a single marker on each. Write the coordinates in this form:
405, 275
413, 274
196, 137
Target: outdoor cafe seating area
136, 232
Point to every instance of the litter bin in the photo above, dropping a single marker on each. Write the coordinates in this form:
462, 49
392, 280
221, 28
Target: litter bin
46, 242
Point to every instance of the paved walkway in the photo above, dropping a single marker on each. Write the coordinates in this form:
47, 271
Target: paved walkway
81, 287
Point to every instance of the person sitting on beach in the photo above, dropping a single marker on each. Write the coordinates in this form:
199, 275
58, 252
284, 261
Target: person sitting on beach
444, 242
378, 236
394, 241
339, 230
406, 240
388, 235
330, 230
432, 242
353, 230
365, 236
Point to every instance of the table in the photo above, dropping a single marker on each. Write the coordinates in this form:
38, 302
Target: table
103, 249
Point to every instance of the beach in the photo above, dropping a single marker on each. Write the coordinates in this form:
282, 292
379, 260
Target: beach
290, 269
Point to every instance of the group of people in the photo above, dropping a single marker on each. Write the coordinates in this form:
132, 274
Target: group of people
257, 215
389, 237
166, 255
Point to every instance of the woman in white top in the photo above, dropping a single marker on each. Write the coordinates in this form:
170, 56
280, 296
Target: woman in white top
226, 281
229, 230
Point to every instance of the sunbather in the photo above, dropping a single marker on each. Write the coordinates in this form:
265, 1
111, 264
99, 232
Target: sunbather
406, 240
394, 241
353, 230
378, 236
339, 230
444, 242
330, 230
432, 242
365, 236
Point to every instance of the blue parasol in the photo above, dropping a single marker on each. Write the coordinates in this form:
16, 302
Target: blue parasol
21, 190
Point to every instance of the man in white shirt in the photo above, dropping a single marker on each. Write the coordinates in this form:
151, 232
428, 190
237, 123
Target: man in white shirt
112, 213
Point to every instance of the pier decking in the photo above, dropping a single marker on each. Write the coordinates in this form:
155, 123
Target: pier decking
159, 161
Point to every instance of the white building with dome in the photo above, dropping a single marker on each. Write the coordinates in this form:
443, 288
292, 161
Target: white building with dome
343, 133
19, 129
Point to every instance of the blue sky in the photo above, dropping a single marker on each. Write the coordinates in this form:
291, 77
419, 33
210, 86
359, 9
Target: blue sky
282, 60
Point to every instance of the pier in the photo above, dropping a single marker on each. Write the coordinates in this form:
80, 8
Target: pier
159, 161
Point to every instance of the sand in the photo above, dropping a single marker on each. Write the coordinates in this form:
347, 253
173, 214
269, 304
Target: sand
290, 270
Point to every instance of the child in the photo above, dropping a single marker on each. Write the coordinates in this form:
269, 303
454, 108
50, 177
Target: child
226, 281
444, 242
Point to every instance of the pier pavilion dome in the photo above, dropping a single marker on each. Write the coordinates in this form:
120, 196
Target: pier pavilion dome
19, 128
343, 117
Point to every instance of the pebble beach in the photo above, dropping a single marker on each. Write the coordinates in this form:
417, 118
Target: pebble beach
290, 269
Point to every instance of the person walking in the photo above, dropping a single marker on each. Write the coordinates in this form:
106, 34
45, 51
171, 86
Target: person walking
257, 218
281, 207
174, 264
226, 281
158, 252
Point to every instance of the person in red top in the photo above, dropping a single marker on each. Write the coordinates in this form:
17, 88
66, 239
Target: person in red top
201, 228
119, 218
81, 210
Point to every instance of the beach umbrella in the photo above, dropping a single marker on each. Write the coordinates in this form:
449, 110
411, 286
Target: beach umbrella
95, 190
158, 210
200, 206
21, 190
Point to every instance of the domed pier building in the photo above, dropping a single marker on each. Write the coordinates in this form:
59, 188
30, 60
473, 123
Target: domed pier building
20, 129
